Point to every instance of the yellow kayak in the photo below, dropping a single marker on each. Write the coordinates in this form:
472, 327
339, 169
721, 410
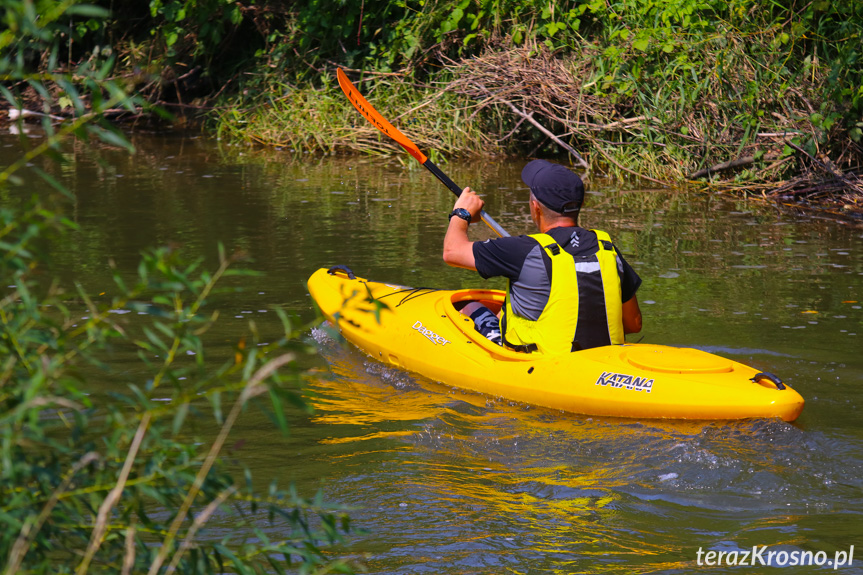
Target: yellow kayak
420, 330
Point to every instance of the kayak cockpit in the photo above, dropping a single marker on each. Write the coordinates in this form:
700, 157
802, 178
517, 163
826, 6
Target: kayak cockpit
492, 299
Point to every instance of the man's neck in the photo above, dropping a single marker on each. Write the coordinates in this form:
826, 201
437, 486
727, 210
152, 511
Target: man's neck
545, 226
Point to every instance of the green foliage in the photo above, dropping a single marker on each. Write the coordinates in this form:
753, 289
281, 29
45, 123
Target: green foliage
90, 479
194, 26
395, 33
697, 49
833, 32
36, 81
122, 481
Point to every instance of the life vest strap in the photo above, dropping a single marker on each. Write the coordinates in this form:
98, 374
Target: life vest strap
526, 348
521, 348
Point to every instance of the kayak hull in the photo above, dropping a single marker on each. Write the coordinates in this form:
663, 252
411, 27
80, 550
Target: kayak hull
420, 330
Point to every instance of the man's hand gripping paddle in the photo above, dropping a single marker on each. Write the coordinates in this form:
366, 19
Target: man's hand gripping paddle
379, 122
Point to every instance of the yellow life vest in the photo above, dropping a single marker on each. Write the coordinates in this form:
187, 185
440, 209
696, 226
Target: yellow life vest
559, 328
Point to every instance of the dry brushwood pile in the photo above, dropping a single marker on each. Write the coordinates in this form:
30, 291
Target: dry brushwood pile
664, 140
544, 92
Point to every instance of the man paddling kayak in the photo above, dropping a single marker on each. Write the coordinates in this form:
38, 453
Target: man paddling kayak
569, 288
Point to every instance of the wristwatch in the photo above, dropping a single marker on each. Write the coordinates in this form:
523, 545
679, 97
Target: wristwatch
461, 213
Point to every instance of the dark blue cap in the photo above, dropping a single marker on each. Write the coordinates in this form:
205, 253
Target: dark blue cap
555, 186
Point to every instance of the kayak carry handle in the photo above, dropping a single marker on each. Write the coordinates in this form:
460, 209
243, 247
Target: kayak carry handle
332, 271
767, 375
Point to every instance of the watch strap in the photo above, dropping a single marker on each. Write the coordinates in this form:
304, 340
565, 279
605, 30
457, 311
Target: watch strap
461, 213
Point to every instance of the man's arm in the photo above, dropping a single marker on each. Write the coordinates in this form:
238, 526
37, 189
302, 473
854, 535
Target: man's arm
457, 247
631, 315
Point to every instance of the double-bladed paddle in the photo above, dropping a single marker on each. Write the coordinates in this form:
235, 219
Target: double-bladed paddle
379, 122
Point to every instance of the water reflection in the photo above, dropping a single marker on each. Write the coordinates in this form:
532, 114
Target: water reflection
480, 483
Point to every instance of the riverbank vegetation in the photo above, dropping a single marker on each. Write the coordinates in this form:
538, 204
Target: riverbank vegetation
752, 96
117, 410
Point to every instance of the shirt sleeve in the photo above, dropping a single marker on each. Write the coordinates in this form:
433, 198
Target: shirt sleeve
501, 256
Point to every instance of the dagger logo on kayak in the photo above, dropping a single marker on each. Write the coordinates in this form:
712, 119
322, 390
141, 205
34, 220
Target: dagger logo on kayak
430, 335
625, 381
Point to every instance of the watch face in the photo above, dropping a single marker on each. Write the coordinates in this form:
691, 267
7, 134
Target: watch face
461, 213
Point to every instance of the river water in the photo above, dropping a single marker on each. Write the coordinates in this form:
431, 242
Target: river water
447, 482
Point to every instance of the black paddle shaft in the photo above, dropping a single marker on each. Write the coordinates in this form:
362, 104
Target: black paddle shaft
445, 180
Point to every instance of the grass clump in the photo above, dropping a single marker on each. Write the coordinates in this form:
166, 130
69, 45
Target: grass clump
318, 119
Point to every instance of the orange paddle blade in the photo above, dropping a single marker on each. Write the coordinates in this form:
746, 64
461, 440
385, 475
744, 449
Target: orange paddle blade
378, 121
